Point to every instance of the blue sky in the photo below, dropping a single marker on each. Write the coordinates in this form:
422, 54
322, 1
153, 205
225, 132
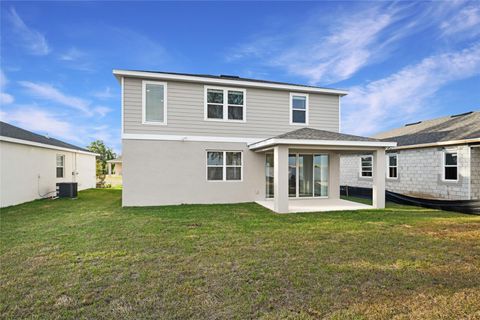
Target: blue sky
401, 62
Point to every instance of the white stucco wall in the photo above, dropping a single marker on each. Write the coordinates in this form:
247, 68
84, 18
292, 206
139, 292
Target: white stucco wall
174, 172
419, 174
29, 171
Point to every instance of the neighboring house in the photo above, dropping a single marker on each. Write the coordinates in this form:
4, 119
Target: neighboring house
32, 164
114, 176
224, 139
434, 159
116, 170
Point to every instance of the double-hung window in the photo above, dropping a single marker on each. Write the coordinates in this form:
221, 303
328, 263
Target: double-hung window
225, 104
392, 171
60, 165
298, 108
154, 102
450, 166
224, 165
366, 166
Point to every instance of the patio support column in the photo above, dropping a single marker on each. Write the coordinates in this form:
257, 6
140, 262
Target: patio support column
379, 179
280, 179
334, 176
109, 166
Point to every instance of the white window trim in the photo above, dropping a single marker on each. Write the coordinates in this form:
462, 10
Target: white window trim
224, 166
306, 109
63, 165
444, 165
225, 104
144, 101
388, 165
360, 169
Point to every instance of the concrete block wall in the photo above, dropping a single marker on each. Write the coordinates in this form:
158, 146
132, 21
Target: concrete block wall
475, 172
420, 174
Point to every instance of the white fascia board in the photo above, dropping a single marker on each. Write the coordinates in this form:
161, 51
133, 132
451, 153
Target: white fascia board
168, 137
215, 81
343, 143
43, 145
439, 144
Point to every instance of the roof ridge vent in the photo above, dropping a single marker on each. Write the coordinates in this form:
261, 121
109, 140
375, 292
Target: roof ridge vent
413, 123
229, 76
461, 114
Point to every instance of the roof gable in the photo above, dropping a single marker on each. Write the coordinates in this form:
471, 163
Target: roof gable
451, 128
10, 131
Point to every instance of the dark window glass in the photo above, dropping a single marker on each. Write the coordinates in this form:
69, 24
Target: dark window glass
215, 173
392, 160
215, 111
235, 113
214, 96
451, 159
450, 173
292, 175
235, 97
215, 158
59, 172
392, 172
299, 102
269, 175
234, 173
298, 116
234, 158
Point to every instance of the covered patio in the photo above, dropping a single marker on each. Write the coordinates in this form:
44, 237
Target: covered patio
302, 170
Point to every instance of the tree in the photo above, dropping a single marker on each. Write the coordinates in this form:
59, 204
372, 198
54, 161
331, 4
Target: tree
105, 153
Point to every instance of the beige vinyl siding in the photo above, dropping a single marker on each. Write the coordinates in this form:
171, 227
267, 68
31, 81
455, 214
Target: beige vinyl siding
267, 112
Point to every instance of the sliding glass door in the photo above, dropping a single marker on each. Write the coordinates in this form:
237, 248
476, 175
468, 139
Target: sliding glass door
307, 175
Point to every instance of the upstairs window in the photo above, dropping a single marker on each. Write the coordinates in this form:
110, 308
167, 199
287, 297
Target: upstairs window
450, 168
366, 166
224, 165
224, 104
298, 108
154, 102
392, 166
60, 165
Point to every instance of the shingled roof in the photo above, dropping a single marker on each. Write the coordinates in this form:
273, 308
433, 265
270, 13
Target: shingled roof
309, 136
10, 131
456, 127
316, 134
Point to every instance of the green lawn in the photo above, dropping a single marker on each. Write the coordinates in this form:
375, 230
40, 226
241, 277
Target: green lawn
89, 258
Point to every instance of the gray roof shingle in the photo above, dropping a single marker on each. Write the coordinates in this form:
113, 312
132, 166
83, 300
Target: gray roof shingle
233, 77
456, 127
316, 134
9, 131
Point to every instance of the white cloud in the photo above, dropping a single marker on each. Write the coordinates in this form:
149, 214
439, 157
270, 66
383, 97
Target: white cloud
72, 54
403, 95
350, 46
5, 98
33, 118
465, 23
49, 92
102, 111
334, 47
32, 40
106, 93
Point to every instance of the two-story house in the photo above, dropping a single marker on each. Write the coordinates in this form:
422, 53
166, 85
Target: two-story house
190, 138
